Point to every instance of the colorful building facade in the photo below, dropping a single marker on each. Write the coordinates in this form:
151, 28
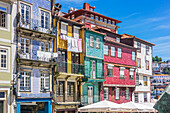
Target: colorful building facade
93, 67
69, 71
34, 56
7, 54
142, 91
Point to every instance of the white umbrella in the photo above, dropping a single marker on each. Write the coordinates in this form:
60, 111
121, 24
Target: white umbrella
102, 106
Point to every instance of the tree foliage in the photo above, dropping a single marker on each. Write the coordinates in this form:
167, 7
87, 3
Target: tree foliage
156, 59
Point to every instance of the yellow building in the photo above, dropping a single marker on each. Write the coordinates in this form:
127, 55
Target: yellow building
70, 65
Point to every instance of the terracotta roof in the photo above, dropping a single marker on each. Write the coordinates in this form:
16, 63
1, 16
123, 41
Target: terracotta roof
103, 28
121, 44
93, 13
131, 36
93, 30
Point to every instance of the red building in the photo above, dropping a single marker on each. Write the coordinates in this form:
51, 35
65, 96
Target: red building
119, 59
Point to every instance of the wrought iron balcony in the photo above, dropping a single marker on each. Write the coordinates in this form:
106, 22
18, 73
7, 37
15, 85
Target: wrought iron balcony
70, 68
33, 24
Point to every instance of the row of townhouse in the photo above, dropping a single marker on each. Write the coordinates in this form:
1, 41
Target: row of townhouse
53, 61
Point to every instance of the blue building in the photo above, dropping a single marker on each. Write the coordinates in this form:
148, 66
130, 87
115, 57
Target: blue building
34, 56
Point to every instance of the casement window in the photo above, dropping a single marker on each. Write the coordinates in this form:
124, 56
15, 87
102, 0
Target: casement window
70, 88
136, 97
25, 15
3, 19
121, 72
106, 50
91, 41
25, 81
76, 32
145, 80
45, 46
25, 45
45, 81
64, 28
113, 51
147, 50
60, 88
106, 93
117, 39
117, 94
109, 70
147, 65
139, 47
145, 97
93, 69
119, 52
3, 57
127, 94
3, 101
133, 55
139, 63
98, 43
131, 71
45, 19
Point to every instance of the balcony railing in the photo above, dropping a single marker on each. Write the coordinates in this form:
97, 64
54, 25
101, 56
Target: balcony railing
40, 56
70, 68
34, 25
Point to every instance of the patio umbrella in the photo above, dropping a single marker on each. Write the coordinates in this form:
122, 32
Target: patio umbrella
102, 106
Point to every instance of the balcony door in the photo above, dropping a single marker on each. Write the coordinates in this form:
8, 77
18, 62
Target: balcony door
93, 69
24, 48
35, 48
75, 63
90, 94
62, 61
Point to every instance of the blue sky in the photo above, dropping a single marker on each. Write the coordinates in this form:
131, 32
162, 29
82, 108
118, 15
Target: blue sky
146, 19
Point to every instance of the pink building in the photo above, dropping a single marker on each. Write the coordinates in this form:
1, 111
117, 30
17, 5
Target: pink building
119, 68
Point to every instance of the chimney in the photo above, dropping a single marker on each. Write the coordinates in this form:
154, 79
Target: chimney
86, 6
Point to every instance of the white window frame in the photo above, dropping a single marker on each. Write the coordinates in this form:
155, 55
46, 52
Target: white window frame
24, 53
98, 43
131, 71
8, 9
46, 15
145, 79
113, 51
119, 52
106, 50
106, 93
25, 80
76, 32
3, 19
5, 53
122, 72
93, 69
147, 50
117, 39
91, 41
139, 46
45, 46
64, 28
25, 22
133, 55
45, 81
127, 94
4, 100
117, 94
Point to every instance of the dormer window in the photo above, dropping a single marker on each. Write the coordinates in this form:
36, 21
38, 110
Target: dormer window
109, 22
105, 20
92, 16
96, 18
101, 19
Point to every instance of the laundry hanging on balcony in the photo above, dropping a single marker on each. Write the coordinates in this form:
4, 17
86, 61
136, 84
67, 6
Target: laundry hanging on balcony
74, 45
63, 37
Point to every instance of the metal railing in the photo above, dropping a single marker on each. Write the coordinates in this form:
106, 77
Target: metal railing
70, 68
33, 24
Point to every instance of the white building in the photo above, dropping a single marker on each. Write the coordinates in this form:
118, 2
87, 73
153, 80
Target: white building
142, 91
